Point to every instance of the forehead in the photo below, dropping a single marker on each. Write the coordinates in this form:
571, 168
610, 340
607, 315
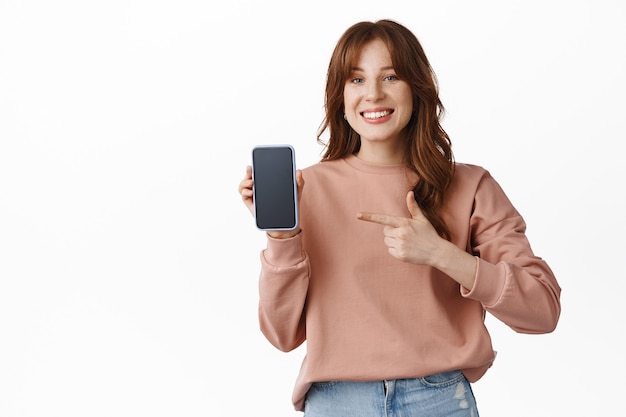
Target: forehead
374, 53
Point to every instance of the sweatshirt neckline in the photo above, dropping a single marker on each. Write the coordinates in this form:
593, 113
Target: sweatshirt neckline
374, 168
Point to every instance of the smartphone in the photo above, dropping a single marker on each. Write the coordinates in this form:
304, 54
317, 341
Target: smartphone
275, 189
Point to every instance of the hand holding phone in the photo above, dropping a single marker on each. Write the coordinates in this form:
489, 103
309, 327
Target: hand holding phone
275, 191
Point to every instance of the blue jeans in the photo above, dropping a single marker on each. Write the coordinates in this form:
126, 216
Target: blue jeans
446, 394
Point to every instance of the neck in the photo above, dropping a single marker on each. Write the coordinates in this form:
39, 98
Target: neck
380, 154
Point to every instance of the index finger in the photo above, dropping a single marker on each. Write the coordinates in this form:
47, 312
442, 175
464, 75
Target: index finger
379, 218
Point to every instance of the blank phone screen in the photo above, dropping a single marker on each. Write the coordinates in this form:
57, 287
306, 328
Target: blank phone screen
275, 195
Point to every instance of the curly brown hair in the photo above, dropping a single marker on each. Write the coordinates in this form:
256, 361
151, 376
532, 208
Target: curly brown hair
428, 148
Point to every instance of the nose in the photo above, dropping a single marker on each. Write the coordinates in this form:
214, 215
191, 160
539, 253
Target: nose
374, 90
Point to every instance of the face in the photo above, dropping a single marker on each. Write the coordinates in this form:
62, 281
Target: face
378, 105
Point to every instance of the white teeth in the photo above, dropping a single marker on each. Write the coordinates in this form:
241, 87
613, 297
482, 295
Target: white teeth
376, 114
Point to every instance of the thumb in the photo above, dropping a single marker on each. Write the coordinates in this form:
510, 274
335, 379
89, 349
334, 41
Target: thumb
414, 209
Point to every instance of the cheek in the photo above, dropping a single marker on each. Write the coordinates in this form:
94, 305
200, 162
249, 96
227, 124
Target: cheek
409, 107
348, 101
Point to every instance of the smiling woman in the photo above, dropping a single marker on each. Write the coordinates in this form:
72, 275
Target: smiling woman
378, 105
129, 266
399, 251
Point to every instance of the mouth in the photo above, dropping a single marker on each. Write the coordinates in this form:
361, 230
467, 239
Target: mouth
375, 115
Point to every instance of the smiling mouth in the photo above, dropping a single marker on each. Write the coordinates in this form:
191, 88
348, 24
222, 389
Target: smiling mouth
376, 114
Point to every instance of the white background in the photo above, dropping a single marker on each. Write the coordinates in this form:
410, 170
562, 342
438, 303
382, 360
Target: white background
129, 265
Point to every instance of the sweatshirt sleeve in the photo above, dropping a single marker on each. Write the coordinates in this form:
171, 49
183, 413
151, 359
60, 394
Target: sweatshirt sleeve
511, 282
283, 286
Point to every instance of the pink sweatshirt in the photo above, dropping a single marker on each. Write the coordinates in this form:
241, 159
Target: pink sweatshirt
367, 316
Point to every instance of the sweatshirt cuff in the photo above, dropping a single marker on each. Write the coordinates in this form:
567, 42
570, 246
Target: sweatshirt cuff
284, 252
489, 283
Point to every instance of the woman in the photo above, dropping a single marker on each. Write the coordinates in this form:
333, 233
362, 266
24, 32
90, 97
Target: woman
400, 251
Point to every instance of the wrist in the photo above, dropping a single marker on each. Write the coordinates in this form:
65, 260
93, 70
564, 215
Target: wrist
284, 234
457, 264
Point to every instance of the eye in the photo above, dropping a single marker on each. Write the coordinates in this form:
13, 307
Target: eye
356, 80
391, 78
